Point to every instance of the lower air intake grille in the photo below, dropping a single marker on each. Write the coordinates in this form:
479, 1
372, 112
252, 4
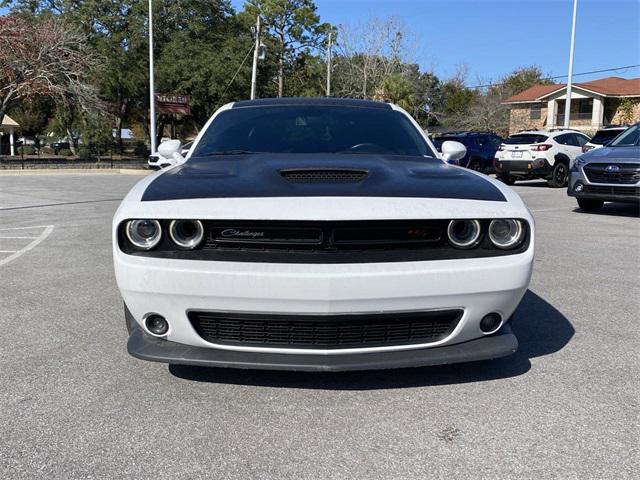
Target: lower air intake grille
612, 190
325, 331
324, 175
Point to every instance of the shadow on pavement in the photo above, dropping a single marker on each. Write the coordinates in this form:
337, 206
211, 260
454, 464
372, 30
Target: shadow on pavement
615, 209
533, 183
540, 328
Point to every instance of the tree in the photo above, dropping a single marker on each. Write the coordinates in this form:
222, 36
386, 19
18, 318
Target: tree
32, 116
294, 24
44, 57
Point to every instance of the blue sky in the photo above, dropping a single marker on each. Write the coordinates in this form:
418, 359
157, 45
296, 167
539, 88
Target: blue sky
493, 37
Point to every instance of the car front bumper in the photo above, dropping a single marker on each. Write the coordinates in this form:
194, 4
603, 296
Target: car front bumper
172, 288
145, 347
607, 192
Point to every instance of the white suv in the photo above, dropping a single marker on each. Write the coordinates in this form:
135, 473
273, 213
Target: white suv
539, 154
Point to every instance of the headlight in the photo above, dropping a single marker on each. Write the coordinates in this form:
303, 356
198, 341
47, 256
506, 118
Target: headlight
464, 233
186, 233
143, 234
506, 233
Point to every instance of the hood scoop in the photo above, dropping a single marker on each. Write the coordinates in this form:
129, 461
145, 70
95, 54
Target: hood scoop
324, 175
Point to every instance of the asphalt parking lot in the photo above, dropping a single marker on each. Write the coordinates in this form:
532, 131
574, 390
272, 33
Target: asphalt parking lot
74, 404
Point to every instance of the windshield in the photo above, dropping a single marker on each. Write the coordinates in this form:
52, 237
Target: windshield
312, 129
629, 138
525, 139
603, 136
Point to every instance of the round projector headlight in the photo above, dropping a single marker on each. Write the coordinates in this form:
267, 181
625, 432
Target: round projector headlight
464, 233
186, 233
143, 234
506, 233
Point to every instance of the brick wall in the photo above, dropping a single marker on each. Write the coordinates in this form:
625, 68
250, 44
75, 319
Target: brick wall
520, 118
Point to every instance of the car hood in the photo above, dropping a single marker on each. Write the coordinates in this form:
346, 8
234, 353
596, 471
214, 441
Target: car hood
266, 175
613, 154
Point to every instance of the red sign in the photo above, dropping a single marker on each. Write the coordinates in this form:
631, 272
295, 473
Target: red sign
172, 103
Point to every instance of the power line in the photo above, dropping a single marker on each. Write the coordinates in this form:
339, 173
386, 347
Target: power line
565, 76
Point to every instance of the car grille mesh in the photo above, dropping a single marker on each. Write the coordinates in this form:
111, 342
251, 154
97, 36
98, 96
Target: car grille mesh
612, 190
325, 331
324, 175
627, 173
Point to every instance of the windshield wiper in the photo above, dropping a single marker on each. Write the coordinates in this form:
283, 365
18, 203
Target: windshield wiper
226, 152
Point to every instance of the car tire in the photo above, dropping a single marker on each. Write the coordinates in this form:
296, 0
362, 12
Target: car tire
559, 176
506, 178
589, 204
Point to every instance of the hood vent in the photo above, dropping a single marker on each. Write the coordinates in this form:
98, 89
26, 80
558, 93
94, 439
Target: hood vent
318, 175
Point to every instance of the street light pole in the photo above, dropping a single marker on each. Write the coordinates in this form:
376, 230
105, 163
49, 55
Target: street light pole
329, 66
567, 103
256, 53
152, 100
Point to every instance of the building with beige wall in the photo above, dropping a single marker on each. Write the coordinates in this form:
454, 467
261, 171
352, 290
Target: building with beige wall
607, 101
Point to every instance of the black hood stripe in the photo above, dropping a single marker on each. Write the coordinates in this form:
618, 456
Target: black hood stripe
251, 176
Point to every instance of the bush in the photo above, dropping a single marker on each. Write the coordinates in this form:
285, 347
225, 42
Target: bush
65, 152
27, 150
46, 151
84, 152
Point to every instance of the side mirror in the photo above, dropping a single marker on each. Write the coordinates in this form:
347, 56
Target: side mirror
170, 151
453, 151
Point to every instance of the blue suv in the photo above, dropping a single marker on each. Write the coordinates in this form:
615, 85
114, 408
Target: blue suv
481, 149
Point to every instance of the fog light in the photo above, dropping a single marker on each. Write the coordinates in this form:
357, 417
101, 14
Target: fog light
578, 187
490, 323
157, 325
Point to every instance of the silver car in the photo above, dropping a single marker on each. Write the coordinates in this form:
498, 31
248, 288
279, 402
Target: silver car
608, 174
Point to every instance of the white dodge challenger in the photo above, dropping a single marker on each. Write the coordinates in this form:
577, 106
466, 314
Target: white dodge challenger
320, 234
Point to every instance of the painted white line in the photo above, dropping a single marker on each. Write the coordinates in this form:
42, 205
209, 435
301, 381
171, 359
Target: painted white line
23, 228
24, 238
8, 251
47, 231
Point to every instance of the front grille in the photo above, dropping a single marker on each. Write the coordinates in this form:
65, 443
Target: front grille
623, 173
612, 190
324, 175
325, 331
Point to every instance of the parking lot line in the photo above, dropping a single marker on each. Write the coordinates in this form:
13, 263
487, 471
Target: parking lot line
24, 238
47, 231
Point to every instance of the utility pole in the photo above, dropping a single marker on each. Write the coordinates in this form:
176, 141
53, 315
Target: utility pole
152, 95
567, 103
329, 66
256, 53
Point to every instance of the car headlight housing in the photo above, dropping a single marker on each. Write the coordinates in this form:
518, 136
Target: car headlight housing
506, 232
143, 234
464, 233
579, 162
186, 233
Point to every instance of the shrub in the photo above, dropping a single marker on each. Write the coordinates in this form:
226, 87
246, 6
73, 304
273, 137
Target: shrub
46, 151
27, 150
65, 152
84, 152
141, 149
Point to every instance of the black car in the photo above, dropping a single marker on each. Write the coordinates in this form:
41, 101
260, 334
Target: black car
58, 146
481, 148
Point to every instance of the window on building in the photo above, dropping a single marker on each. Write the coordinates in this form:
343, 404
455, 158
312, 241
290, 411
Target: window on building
585, 106
535, 112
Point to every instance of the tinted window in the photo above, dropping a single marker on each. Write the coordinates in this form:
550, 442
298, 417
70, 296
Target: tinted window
603, 136
581, 139
630, 138
525, 139
564, 139
313, 129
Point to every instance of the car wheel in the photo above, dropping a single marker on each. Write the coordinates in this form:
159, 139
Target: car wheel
559, 176
506, 178
590, 205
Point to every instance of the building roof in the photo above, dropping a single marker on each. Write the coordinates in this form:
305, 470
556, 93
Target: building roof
608, 87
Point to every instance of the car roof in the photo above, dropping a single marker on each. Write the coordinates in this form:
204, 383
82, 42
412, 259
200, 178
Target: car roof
462, 134
311, 101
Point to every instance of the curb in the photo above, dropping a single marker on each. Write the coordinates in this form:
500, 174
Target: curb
66, 171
